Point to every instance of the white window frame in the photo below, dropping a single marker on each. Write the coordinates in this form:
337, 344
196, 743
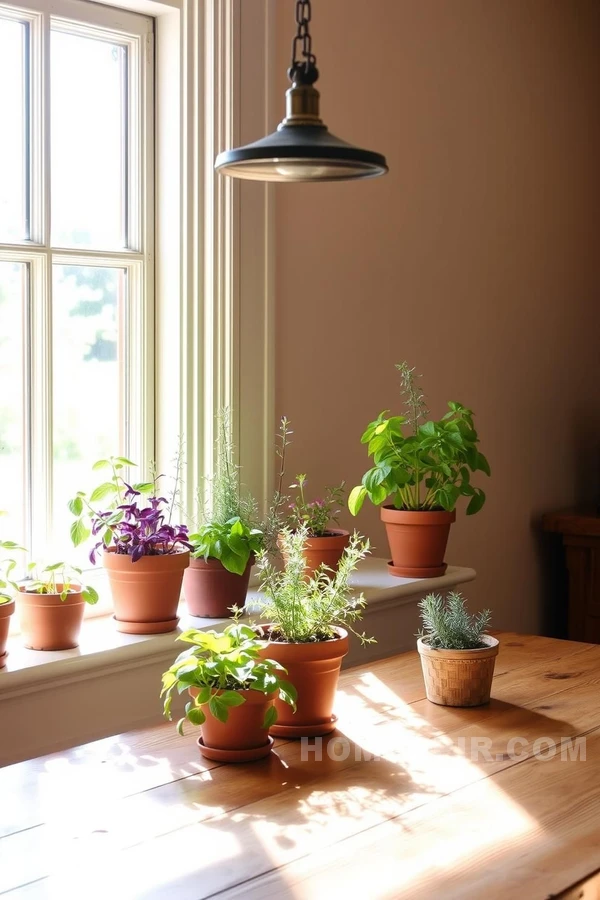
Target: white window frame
136, 34
214, 329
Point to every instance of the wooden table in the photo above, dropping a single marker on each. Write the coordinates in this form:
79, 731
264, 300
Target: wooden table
399, 804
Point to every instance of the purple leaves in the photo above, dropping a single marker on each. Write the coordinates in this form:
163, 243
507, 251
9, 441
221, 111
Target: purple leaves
136, 531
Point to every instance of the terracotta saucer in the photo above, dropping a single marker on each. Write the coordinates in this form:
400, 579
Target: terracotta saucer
235, 756
298, 731
146, 627
410, 572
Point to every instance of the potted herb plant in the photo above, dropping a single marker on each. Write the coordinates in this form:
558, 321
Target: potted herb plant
51, 604
307, 631
226, 541
424, 471
457, 656
144, 553
7, 589
232, 691
324, 543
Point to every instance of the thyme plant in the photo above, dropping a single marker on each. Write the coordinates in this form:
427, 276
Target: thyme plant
447, 625
303, 610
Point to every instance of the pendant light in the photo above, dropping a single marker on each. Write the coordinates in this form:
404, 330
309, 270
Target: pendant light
302, 149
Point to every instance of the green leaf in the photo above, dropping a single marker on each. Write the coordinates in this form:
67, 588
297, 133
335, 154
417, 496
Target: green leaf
124, 461
76, 506
90, 595
103, 490
231, 698
180, 725
218, 709
475, 503
356, 499
195, 715
144, 487
203, 695
79, 532
270, 717
101, 464
482, 464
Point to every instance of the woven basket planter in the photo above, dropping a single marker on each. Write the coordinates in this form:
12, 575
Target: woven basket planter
459, 677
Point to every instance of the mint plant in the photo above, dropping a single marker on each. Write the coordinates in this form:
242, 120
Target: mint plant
303, 610
447, 625
314, 515
220, 665
421, 464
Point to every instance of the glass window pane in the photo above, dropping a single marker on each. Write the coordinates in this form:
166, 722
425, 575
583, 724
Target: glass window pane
88, 382
13, 311
88, 102
14, 224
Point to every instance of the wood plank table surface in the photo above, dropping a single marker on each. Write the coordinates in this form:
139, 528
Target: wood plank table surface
406, 799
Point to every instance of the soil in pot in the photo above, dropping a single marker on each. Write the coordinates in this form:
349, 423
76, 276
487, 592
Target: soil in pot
242, 737
314, 671
327, 549
6, 611
49, 623
210, 590
459, 677
417, 541
146, 593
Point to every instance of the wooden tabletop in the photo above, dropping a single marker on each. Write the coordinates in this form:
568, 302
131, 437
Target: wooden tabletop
408, 799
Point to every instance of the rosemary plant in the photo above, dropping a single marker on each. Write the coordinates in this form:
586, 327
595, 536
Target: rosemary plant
304, 610
448, 626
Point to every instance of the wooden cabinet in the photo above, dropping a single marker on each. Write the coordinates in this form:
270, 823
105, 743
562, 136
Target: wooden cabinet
581, 540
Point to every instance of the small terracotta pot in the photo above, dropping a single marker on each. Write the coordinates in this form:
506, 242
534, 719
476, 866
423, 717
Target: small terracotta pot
242, 737
314, 671
327, 549
6, 611
417, 541
459, 677
146, 593
49, 623
210, 590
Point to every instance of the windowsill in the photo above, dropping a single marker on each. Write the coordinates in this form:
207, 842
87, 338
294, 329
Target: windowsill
102, 646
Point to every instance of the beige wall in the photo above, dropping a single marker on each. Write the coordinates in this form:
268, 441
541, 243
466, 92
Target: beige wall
476, 258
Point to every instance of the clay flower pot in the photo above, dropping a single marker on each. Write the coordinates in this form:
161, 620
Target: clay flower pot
241, 738
49, 623
6, 611
210, 590
314, 671
327, 549
417, 541
146, 592
459, 677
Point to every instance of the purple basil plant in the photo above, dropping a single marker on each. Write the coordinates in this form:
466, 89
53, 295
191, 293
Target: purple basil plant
143, 530
137, 522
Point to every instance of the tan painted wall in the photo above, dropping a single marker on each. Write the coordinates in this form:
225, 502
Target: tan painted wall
476, 258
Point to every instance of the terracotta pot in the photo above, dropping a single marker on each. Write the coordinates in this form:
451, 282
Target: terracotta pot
327, 549
242, 737
49, 623
146, 593
210, 590
417, 541
314, 671
6, 611
459, 677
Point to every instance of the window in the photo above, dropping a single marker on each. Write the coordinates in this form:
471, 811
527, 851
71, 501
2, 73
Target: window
76, 256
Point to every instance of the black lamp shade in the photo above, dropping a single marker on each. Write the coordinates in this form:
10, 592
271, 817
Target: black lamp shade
300, 153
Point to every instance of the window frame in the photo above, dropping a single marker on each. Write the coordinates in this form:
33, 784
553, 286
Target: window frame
135, 32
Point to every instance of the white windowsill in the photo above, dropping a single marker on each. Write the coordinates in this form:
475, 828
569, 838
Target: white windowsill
102, 646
